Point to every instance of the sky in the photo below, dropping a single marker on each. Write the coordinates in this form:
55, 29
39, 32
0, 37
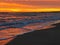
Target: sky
29, 5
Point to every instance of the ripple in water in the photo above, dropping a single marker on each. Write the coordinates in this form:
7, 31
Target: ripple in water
13, 24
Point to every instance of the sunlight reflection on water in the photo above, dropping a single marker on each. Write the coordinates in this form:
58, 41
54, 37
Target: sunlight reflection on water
13, 25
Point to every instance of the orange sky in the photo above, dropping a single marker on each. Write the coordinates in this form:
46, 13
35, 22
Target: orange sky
29, 5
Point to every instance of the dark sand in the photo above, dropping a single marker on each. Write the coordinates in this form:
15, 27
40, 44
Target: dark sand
40, 37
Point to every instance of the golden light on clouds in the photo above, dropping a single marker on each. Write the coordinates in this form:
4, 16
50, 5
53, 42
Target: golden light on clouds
13, 7
9, 10
29, 10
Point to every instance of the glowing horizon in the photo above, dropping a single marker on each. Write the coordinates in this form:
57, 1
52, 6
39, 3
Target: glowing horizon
13, 7
29, 10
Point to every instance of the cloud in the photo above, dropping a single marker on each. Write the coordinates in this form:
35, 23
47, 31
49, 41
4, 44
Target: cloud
37, 3
29, 5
